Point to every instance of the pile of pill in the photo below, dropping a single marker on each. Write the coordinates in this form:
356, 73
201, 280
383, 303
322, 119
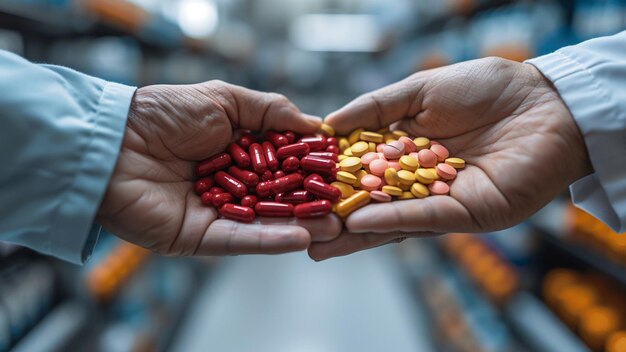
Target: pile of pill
387, 165
311, 176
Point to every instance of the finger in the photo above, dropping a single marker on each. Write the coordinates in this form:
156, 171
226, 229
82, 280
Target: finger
380, 108
264, 111
321, 229
348, 243
435, 214
226, 237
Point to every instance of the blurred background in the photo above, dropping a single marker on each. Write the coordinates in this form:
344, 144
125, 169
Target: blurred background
554, 283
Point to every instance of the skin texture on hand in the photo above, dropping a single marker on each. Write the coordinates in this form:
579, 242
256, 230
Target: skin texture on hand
520, 143
150, 201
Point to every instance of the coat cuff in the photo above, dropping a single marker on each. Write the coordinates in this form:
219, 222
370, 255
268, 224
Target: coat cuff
79, 209
603, 193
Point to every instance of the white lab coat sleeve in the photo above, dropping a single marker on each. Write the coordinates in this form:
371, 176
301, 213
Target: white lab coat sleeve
591, 79
60, 135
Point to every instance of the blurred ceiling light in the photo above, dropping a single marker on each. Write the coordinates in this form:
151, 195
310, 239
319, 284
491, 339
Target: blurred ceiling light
324, 32
197, 18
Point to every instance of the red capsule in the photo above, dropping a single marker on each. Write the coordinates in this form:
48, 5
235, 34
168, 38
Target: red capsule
221, 199
297, 150
216, 190
258, 159
239, 156
330, 178
312, 209
277, 139
270, 156
316, 144
207, 198
279, 174
325, 155
332, 141
248, 178
315, 177
246, 140
291, 137
323, 190
212, 164
203, 184
267, 176
237, 212
291, 164
286, 183
332, 149
231, 184
313, 164
294, 197
273, 209
249, 201
263, 189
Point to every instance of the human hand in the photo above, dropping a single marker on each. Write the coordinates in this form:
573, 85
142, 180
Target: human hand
150, 201
521, 145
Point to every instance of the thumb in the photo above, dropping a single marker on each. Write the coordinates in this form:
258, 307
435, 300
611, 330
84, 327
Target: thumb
381, 107
259, 111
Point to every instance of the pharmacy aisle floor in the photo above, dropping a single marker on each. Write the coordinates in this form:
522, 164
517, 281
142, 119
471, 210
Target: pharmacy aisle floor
289, 303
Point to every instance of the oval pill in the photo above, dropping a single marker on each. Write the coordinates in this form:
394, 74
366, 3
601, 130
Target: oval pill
346, 177
368, 157
380, 196
355, 135
345, 189
372, 147
352, 203
371, 137
439, 188
343, 144
441, 152
419, 190
394, 164
427, 158
391, 177
406, 177
456, 163
406, 195
359, 148
446, 171
408, 163
359, 175
399, 133
392, 190
378, 167
350, 164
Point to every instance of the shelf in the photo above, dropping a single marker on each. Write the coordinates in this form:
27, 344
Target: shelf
547, 223
538, 326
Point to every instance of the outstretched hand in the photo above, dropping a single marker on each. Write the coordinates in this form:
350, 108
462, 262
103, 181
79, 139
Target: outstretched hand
150, 201
521, 145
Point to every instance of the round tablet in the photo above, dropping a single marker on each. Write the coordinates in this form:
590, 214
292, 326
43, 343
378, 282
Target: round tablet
427, 158
424, 176
392, 190
346, 189
446, 171
406, 195
439, 188
441, 152
456, 163
368, 157
378, 167
409, 146
408, 163
346, 177
380, 196
391, 177
350, 164
394, 164
406, 177
359, 148
421, 143
419, 190
370, 182
393, 150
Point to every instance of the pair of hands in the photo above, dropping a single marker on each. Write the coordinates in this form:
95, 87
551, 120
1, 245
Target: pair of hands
505, 119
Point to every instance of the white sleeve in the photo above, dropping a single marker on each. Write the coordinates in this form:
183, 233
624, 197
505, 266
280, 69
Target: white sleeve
591, 79
60, 135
